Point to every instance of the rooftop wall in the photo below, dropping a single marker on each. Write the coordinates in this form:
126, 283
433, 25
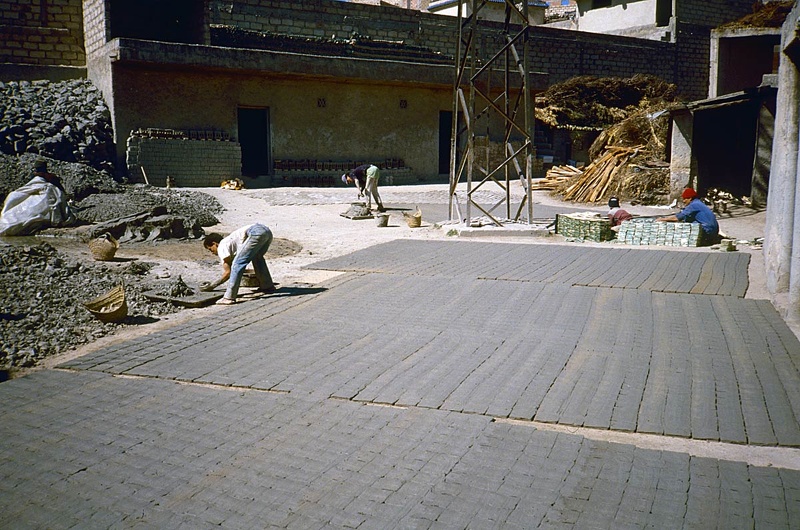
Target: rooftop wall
560, 53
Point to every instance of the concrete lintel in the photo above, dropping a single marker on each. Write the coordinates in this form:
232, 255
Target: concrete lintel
724, 33
172, 55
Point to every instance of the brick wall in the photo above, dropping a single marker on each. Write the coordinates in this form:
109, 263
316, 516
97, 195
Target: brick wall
41, 32
695, 20
192, 163
711, 13
95, 23
562, 54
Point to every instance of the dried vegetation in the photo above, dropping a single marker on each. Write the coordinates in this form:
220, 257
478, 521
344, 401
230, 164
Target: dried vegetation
629, 156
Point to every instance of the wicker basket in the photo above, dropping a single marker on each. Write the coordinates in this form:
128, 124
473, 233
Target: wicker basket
414, 220
104, 247
110, 307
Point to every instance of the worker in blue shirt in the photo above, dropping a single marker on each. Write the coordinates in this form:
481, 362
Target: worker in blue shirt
696, 211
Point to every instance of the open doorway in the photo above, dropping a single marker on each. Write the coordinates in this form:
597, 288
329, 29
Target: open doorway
724, 147
254, 139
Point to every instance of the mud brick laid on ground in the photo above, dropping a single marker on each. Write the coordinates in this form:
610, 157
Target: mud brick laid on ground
584, 225
649, 232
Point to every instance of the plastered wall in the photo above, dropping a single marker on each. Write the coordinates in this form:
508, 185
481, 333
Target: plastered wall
308, 118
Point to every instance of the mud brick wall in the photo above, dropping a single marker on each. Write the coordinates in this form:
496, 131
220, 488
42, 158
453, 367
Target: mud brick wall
191, 163
41, 32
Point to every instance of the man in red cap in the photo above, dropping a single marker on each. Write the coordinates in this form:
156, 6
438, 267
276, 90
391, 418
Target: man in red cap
696, 211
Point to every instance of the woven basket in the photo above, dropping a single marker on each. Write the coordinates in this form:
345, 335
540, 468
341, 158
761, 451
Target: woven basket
110, 307
414, 220
104, 247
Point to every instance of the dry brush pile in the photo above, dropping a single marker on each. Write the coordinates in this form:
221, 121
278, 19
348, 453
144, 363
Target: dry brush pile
628, 157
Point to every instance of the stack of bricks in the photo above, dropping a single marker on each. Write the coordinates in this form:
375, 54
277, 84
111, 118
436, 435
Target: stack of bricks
649, 232
585, 225
190, 163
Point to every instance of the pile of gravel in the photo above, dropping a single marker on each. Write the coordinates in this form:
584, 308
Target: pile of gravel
65, 120
41, 303
141, 198
79, 180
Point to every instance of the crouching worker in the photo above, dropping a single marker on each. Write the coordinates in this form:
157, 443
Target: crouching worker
695, 211
616, 214
244, 245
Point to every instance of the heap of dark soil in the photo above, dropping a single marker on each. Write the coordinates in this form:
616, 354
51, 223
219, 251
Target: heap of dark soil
41, 303
140, 198
63, 120
79, 180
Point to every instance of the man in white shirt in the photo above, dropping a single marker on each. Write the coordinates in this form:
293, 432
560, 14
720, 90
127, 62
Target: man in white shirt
244, 245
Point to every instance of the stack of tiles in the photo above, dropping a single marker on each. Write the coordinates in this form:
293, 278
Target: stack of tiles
649, 232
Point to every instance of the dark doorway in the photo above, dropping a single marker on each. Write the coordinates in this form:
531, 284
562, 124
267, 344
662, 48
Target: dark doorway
255, 141
724, 147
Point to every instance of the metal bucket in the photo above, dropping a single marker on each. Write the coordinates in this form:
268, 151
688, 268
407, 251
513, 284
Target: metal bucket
382, 219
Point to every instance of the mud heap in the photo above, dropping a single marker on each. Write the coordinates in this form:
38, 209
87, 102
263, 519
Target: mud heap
43, 289
41, 303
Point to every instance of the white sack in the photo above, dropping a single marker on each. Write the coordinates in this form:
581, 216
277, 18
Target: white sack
36, 205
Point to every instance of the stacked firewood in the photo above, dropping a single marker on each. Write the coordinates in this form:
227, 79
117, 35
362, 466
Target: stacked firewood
598, 177
555, 177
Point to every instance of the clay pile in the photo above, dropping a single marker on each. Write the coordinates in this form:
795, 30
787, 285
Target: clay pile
66, 120
41, 310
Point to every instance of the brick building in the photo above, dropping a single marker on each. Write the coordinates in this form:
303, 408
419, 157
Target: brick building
302, 88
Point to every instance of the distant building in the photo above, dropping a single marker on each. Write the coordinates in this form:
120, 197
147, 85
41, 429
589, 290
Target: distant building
494, 10
291, 91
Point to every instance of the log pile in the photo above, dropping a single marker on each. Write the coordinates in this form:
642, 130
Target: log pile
596, 180
555, 177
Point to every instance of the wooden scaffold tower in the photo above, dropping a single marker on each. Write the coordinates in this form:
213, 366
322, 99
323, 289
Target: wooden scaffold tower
484, 113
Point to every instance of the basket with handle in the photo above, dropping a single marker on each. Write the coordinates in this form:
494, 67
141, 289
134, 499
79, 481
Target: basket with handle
103, 247
109, 307
414, 220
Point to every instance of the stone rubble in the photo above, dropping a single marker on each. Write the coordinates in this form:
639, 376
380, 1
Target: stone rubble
66, 120
41, 304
